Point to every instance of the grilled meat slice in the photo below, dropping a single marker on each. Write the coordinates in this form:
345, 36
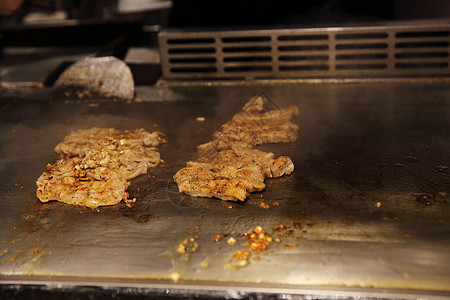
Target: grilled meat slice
81, 141
230, 173
240, 154
254, 128
95, 165
228, 183
130, 151
64, 181
229, 167
255, 104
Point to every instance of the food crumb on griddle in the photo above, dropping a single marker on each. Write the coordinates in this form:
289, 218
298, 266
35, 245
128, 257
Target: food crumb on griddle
264, 205
231, 241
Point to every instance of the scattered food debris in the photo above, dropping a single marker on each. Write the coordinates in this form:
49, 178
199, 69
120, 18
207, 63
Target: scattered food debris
297, 225
231, 241
216, 238
264, 205
280, 227
259, 240
188, 246
200, 119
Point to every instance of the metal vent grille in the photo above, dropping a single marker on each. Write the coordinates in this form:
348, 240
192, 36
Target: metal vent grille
372, 51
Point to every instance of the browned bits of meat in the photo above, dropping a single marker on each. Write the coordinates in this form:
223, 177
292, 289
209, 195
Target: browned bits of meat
188, 245
264, 205
100, 82
276, 203
289, 231
96, 164
241, 255
216, 238
259, 240
231, 241
280, 227
297, 225
228, 167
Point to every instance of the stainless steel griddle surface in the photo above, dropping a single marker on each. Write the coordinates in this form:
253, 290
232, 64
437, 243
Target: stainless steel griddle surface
369, 196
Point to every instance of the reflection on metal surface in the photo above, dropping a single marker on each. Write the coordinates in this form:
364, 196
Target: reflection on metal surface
366, 153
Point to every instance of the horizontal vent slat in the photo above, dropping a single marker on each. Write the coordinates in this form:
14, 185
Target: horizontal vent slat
421, 55
286, 58
246, 49
189, 60
362, 61
427, 40
185, 41
246, 39
297, 48
301, 63
193, 70
304, 67
361, 66
362, 36
248, 69
246, 64
253, 58
303, 37
361, 46
357, 56
193, 65
422, 34
421, 65
422, 44
191, 50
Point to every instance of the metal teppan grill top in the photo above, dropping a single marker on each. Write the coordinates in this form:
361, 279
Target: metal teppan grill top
419, 49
